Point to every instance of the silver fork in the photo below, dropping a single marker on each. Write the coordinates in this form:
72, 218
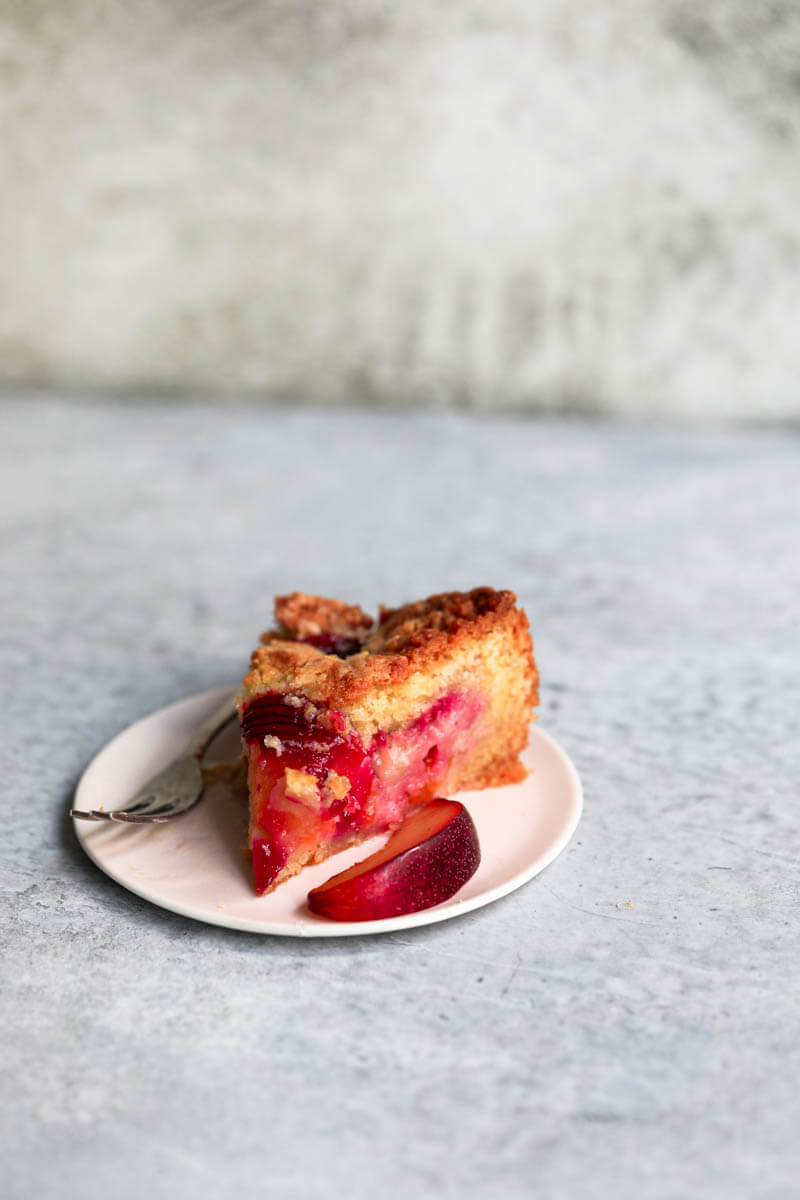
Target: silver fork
178, 787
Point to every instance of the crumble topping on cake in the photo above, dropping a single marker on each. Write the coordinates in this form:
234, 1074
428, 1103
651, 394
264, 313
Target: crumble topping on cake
410, 640
328, 625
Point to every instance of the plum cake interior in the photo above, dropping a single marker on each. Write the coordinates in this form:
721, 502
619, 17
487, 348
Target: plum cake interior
349, 723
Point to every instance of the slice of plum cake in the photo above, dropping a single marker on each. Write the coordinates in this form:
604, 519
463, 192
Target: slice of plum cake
349, 723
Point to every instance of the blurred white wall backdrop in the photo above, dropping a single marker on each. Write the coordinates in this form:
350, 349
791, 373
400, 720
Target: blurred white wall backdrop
544, 205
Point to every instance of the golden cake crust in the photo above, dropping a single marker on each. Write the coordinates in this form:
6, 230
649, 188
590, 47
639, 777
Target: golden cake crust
416, 638
305, 616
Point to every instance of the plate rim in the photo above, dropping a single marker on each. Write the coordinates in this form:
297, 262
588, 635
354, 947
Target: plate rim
428, 916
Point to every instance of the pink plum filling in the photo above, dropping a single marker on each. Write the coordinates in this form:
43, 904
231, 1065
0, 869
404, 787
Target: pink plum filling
314, 784
410, 765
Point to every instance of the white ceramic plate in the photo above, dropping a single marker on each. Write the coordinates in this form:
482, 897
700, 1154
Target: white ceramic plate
195, 865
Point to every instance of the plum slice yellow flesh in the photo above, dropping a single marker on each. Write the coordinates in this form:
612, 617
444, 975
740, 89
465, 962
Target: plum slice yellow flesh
426, 861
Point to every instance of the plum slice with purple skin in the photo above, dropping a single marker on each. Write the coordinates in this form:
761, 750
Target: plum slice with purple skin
426, 861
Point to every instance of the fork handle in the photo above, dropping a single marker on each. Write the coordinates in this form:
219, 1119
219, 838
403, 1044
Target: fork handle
96, 814
203, 735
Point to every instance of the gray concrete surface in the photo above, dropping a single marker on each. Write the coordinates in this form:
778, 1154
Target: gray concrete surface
506, 204
624, 1026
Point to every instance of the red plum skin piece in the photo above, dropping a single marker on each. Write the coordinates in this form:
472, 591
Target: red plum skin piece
425, 862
